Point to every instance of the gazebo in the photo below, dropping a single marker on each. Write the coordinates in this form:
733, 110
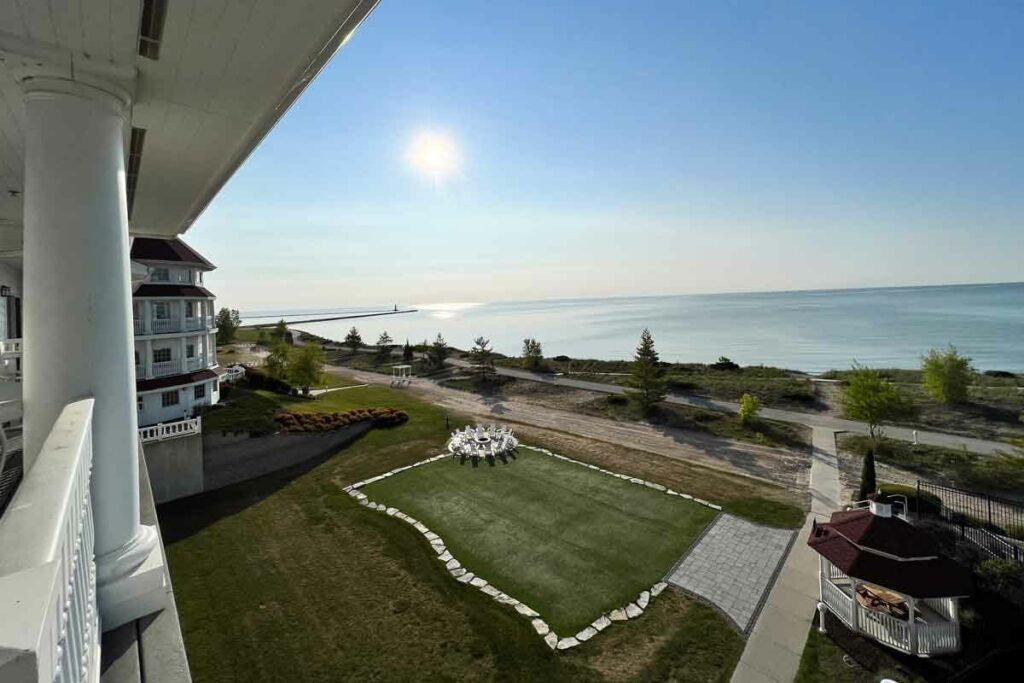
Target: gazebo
885, 579
401, 375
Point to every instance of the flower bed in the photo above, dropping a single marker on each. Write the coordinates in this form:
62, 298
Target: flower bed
325, 422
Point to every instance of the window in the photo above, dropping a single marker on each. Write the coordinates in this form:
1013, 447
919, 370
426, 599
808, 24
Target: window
140, 403
190, 309
136, 356
161, 310
169, 398
190, 350
151, 27
216, 385
161, 355
199, 391
160, 275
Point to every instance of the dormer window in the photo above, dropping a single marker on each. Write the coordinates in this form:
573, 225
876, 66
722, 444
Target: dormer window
160, 275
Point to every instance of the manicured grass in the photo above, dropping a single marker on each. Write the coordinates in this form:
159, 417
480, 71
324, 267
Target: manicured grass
285, 578
570, 542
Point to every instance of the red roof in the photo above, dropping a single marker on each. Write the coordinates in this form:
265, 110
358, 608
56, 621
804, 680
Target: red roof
174, 380
173, 250
934, 577
890, 535
152, 291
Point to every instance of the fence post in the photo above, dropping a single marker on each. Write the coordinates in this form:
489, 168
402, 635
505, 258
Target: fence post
917, 503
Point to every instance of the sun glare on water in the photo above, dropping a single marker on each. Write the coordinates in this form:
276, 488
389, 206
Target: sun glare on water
434, 154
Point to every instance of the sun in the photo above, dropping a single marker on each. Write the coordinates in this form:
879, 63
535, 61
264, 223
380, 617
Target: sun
434, 154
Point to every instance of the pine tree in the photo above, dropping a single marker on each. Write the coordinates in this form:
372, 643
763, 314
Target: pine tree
407, 355
647, 381
438, 351
384, 343
353, 340
868, 483
482, 357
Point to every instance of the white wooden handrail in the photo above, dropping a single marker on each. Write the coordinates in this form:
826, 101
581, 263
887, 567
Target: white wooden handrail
50, 625
171, 430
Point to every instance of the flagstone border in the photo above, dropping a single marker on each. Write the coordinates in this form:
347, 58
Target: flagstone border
462, 574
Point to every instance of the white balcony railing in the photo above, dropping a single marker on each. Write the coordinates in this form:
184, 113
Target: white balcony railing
167, 367
140, 326
196, 363
164, 325
193, 323
234, 373
10, 348
50, 628
171, 430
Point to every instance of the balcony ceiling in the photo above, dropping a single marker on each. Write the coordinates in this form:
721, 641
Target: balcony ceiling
227, 71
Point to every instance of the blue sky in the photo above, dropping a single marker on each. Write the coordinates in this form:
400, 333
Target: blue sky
610, 148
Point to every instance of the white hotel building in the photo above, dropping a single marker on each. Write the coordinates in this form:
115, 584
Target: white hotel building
120, 120
173, 315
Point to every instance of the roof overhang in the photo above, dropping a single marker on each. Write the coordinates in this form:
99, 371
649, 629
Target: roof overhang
226, 73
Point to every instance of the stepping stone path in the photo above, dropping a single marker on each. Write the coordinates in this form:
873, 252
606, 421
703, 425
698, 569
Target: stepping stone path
733, 566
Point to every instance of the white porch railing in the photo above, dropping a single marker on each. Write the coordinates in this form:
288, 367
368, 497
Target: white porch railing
193, 323
234, 373
167, 367
885, 629
171, 430
196, 363
50, 625
163, 325
838, 601
10, 348
140, 326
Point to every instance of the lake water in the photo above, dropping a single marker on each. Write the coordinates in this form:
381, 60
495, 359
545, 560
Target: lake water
813, 331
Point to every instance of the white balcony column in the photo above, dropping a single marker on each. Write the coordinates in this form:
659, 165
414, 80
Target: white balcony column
78, 291
181, 315
183, 361
147, 316
148, 361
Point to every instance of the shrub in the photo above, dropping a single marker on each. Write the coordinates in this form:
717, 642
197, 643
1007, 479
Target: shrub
617, 400
946, 375
256, 378
561, 359
928, 504
1002, 374
325, 422
724, 363
749, 407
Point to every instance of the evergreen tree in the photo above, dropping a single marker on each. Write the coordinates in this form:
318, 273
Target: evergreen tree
353, 340
647, 378
533, 355
482, 358
280, 331
384, 344
439, 351
868, 484
407, 354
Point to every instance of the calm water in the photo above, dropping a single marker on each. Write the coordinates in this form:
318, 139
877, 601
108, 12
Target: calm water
811, 331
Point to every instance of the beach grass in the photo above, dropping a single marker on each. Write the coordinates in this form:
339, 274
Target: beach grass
570, 542
286, 578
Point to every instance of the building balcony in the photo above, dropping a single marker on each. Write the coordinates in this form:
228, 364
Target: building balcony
197, 363
165, 325
140, 326
165, 368
10, 348
194, 323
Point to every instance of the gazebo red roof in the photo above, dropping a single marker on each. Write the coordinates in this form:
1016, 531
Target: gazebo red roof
854, 545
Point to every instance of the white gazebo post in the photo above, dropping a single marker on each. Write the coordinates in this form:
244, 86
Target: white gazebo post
78, 319
912, 631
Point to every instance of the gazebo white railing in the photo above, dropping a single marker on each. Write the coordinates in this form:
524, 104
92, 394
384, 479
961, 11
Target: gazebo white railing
932, 626
171, 430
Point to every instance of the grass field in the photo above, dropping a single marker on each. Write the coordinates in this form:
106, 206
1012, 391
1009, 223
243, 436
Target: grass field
286, 578
570, 542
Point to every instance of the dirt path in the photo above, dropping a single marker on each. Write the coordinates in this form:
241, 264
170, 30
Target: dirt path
775, 465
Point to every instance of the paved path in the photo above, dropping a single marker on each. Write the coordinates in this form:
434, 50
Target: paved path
774, 647
732, 566
794, 416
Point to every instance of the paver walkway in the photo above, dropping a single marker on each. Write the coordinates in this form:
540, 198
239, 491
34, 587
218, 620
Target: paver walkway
732, 566
774, 647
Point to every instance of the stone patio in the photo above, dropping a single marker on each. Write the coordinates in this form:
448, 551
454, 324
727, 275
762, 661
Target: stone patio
733, 566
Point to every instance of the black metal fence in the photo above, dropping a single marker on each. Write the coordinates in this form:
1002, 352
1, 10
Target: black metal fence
994, 524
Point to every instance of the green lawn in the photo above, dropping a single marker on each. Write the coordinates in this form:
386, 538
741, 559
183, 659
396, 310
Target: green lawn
286, 578
566, 540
